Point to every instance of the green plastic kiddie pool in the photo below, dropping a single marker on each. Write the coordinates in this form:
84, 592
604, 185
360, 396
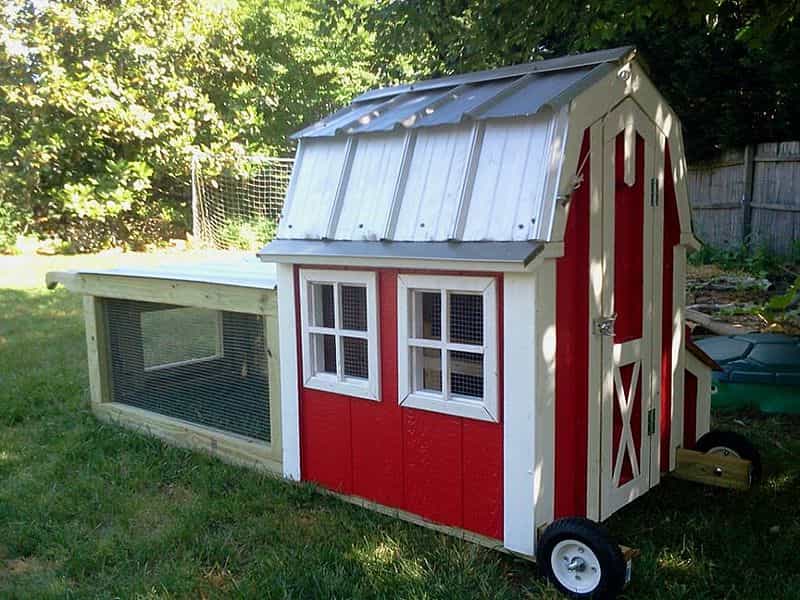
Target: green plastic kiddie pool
759, 370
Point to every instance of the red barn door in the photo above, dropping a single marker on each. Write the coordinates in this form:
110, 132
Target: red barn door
630, 347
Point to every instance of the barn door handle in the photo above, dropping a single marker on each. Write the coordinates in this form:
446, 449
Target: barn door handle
605, 325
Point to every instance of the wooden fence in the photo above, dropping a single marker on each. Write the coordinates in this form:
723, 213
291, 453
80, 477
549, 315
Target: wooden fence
749, 196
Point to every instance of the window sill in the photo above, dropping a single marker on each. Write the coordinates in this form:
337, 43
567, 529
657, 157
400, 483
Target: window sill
455, 407
329, 383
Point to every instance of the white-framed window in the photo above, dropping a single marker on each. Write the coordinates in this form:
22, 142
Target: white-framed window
338, 320
447, 345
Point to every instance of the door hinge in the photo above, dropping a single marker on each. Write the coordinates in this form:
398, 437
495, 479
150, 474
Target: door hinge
653, 191
651, 421
605, 325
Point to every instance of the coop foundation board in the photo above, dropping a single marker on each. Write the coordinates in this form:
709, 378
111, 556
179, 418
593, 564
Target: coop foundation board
134, 316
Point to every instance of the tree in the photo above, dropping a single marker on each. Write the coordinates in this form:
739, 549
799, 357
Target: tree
101, 104
728, 67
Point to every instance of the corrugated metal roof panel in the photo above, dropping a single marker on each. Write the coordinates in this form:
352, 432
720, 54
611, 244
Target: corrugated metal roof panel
542, 66
532, 95
333, 124
402, 113
313, 189
516, 91
370, 187
461, 100
509, 181
430, 199
519, 253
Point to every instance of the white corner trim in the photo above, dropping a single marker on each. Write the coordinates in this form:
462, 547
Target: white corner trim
544, 396
519, 413
290, 402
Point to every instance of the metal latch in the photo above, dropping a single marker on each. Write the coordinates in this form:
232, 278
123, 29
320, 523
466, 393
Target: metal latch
651, 421
605, 325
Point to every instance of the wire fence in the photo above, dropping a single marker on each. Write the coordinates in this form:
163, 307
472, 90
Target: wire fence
237, 200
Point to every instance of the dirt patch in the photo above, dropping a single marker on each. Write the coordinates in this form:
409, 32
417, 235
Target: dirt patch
740, 299
177, 493
24, 566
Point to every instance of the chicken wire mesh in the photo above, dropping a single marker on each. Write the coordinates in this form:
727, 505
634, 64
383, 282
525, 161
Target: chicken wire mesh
237, 200
203, 366
465, 330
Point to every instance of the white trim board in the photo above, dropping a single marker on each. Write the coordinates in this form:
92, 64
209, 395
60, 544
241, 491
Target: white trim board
519, 414
290, 400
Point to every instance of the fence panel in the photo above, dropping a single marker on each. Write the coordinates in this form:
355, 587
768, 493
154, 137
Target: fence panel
752, 193
776, 197
715, 192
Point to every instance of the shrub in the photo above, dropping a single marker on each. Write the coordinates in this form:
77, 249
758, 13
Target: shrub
10, 227
247, 234
759, 262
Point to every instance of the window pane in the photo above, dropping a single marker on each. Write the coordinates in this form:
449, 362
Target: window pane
354, 354
427, 365
323, 304
466, 374
466, 319
179, 334
428, 318
324, 349
353, 304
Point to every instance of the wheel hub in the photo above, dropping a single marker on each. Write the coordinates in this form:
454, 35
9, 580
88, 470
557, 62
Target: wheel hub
576, 566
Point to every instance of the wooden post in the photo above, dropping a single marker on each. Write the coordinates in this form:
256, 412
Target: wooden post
197, 233
747, 196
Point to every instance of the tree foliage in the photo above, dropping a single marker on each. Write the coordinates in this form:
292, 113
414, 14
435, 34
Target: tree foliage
728, 67
102, 102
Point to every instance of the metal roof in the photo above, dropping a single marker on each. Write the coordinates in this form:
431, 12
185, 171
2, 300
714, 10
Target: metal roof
471, 158
514, 91
246, 273
490, 181
517, 253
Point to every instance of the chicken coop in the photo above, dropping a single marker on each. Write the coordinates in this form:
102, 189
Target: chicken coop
471, 317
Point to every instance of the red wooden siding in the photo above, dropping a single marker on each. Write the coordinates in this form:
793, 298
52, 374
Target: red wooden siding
628, 244
689, 410
672, 237
572, 352
447, 469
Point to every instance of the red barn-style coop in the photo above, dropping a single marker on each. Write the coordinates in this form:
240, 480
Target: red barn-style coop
481, 280
478, 324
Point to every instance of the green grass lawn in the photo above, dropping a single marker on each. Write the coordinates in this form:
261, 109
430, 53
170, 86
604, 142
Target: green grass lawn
88, 510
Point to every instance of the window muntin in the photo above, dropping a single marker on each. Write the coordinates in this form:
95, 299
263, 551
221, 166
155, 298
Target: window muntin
447, 345
339, 324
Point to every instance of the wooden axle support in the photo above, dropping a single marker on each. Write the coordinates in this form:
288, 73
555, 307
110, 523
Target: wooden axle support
713, 469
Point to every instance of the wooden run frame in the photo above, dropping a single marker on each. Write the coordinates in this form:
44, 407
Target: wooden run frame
229, 447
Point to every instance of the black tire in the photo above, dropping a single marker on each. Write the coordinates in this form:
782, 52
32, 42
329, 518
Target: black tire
737, 445
589, 533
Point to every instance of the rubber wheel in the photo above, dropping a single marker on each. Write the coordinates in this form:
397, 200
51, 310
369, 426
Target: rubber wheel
732, 443
581, 559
